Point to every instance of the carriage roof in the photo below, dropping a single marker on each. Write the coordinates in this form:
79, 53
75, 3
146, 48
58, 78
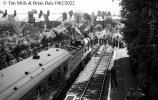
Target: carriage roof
11, 76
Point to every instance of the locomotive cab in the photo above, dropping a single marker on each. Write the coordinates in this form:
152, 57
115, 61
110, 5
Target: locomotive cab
80, 43
77, 43
85, 44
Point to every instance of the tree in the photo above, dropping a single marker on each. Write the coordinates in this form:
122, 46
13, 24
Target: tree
99, 13
1, 12
109, 13
140, 32
78, 16
86, 16
99, 27
93, 17
11, 26
103, 14
109, 23
34, 11
70, 13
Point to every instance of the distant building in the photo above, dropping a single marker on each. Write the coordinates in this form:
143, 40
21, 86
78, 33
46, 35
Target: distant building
23, 17
40, 21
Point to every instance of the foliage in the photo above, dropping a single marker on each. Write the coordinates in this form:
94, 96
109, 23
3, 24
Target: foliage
104, 13
93, 16
70, 13
110, 22
10, 30
34, 11
1, 12
86, 16
141, 35
10, 25
99, 13
99, 27
78, 16
109, 13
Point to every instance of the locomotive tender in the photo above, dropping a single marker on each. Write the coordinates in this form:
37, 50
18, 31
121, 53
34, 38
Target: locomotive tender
37, 79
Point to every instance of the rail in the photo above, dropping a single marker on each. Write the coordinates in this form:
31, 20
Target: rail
105, 75
63, 89
82, 95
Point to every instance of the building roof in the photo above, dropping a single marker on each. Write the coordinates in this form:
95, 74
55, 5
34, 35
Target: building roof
37, 19
55, 17
22, 17
1, 14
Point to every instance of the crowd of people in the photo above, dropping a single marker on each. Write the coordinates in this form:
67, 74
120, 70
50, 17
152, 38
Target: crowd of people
113, 41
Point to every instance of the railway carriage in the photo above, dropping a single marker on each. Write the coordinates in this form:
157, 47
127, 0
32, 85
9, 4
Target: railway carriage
41, 76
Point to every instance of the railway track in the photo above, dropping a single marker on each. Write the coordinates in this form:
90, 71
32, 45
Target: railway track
95, 87
61, 93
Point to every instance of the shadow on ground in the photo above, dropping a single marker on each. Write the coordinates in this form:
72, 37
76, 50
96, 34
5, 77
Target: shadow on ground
125, 79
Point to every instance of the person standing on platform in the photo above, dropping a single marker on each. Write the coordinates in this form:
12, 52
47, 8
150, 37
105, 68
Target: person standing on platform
140, 95
113, 78
131, 95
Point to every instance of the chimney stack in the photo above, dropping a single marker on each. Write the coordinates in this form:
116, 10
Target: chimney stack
64, 16
40, 14
48, 13
4, 14
30, 17
14, 13
5, 11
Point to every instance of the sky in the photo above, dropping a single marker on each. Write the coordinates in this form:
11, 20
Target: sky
56, 6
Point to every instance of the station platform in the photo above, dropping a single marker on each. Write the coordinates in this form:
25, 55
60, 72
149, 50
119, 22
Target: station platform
125, 79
